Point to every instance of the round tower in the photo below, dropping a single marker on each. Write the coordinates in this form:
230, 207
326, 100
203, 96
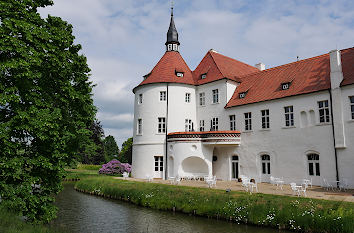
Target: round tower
164, 102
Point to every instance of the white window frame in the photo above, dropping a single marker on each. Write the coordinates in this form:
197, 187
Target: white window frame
158, 163
323, 111
140, 98
139, 129
351, 101
215, 93
188, 125
232, 122
313, 161
203, 76
248, 121
161, 125
179, 74
162, 96
202, 99
265, 164
265, 118
289, 116
214, 124
201, 125
188, 98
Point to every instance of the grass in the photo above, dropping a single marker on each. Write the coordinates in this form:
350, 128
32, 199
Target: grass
92, 167
12, 223
284, 212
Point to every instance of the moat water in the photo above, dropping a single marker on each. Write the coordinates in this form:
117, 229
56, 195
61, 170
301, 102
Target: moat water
83, 213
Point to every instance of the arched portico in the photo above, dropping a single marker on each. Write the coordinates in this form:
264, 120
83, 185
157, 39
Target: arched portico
194, 166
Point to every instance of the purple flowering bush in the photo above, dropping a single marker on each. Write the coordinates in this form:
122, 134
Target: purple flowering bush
115, 167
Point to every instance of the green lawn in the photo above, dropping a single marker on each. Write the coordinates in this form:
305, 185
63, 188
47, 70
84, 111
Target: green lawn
303, 214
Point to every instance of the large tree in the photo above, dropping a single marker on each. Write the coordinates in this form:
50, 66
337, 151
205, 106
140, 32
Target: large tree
46, 106
94, 151
125, 155
110, 148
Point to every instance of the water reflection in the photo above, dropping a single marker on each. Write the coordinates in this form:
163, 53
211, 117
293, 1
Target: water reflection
80, 212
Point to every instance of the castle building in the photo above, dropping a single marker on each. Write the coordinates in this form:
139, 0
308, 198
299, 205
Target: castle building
227, 118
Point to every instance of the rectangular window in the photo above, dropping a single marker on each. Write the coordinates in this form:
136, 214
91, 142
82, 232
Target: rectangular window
162, 95
201, 125
202, 99
140, 99
214, 124
232, 122
188, 126
158, 163
289, 116
352, 106
188, 97
323, 111
265, 118
314, 164
248, 121
140, 127
161, 125
215, 96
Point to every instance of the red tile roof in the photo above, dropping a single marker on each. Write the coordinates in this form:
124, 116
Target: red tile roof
305, 76
347, 56
165, 70
218, 66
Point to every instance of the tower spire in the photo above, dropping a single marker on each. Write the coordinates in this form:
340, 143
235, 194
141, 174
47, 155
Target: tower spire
172, 43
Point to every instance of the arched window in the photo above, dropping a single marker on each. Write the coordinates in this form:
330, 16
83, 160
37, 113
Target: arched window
314, 164
265, 164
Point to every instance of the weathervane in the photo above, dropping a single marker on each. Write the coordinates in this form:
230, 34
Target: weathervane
172, 4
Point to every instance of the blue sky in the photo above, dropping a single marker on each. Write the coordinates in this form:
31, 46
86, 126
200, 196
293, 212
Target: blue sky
124, 39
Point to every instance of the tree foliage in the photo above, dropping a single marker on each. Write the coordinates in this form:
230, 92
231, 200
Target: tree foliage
110, 148
94, 153
46, 106
125, 155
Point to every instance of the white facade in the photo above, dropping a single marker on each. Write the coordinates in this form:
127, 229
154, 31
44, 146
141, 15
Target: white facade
287, 147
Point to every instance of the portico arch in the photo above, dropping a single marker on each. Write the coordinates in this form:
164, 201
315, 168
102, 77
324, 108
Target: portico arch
194, 166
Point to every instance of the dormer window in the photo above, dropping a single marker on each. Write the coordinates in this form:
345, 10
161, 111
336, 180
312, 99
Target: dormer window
242, 95
179, 74
203, 76
285, 86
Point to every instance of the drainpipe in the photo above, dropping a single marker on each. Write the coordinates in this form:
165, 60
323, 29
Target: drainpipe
166, 132
334, 139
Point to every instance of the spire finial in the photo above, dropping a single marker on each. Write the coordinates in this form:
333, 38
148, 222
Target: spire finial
172, 4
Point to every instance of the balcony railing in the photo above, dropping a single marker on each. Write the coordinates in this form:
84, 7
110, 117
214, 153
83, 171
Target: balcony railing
207, 137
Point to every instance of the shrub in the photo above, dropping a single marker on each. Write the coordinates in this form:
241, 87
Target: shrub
114, 167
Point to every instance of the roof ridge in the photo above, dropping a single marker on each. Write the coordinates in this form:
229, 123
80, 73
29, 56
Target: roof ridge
235, 60
284, 65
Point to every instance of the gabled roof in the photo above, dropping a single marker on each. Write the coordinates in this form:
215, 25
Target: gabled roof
165, 70
218, 66
304, 76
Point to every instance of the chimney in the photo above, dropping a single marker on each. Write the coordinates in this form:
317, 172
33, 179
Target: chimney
336, 68
260, 66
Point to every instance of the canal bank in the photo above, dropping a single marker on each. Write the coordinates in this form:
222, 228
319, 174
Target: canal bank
280, 212
79, 212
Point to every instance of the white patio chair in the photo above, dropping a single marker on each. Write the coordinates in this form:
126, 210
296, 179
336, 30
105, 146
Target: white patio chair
344, 184
125, 175
253, 185
297, 189
246, 183
327, 185
177, 180
149, 178
272, 180
279, 182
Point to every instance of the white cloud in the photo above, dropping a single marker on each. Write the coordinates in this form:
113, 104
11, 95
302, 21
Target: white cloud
124, 39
